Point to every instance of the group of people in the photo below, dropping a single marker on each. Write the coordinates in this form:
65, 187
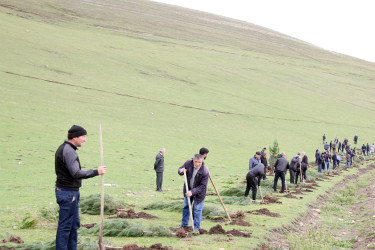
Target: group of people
331, 153
69, 177
258, 168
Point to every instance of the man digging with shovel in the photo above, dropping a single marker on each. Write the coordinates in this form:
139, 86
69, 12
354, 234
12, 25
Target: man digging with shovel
253, 178
196, 179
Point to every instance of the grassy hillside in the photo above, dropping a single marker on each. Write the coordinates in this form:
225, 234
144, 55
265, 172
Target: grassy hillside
160, 76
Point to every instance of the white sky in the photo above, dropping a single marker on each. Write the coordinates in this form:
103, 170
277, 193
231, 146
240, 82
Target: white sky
344, 26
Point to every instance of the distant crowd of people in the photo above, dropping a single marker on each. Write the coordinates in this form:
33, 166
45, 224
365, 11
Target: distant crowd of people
331, 153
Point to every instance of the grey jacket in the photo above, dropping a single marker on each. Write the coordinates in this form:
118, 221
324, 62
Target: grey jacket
159, 163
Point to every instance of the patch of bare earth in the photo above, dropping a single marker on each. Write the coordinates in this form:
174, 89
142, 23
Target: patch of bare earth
361, 213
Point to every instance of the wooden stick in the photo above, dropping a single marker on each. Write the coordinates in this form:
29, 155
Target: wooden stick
188, 198
261, 195
101, 245
222, 203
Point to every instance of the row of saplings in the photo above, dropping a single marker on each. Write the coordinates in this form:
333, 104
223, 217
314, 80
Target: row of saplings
117, 227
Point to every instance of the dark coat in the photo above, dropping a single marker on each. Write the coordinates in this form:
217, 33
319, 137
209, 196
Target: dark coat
259, 172
200, 182
264, 161
281, 165
159, 163
319, 158
294, 163
304, 162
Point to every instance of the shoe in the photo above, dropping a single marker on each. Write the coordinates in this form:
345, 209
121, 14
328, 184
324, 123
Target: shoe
181, 226
255, 202
195, 232
274, 191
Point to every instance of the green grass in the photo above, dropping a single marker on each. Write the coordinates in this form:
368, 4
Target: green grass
155, 76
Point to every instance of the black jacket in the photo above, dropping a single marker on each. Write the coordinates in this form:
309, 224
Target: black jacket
200, 182
281, 165
304, 162
294, 163
68, 168
259, 172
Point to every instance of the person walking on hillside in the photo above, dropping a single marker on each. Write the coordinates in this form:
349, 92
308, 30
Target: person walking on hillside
355, 139
254, 160
253, 179
159, 169
334, 160
367, 149
326, 146
281, 166
304, 165
330, 146
348, 159
327, 159
364, 150
68, 181
263, 159
339, 147
294, 163
372, 148
197, 178
338, 159
324, 138
319, 160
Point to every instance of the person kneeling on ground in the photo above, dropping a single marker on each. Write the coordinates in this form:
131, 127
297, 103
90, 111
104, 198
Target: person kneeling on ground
253, 178
197, 178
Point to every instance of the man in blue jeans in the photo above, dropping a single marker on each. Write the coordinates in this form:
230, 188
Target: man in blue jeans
69, 179
197, 177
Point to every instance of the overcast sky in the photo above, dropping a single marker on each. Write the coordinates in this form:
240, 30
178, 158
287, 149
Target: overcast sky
344, 26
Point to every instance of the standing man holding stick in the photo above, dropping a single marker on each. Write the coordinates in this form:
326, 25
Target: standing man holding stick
69, 179
197, 178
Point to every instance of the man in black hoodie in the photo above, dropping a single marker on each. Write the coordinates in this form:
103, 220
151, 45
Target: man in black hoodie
294, 164
68, 181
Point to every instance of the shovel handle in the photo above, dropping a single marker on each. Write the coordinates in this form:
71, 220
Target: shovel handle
188, 198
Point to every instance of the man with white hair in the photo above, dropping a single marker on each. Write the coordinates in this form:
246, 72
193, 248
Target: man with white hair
159, 169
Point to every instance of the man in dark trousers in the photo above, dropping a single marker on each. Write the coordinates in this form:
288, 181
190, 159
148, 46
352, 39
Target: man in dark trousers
355, 139
68, 181
304, 165
294, 164
281, 165
159, 169
364, 150
197, 177
319, 160
324, 138
253, 179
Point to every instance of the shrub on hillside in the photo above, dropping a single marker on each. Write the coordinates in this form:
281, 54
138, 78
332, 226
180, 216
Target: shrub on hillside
91, 204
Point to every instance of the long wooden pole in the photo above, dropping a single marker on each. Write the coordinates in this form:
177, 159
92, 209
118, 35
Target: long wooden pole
222, 203
101, 245
188, 198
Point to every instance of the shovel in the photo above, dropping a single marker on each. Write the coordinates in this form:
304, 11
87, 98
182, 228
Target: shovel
302, 182
188, 198
261, 195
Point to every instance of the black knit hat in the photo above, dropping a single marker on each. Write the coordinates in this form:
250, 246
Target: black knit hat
203, 151
76, 131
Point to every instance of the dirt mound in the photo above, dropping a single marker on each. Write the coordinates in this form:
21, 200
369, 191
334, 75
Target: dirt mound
297, 191
219, 230
238, 214
88, 226
14, 239
180, 233
216, 230
315, 185
130, 214
318, 179
292, 196
216, 219
308, 190
239, 222
202, 231
264, 211
157, 246
235, 232
309, 187
270, 199
310, 181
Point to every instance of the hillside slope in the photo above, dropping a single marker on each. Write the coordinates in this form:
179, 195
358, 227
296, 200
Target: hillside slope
156, 75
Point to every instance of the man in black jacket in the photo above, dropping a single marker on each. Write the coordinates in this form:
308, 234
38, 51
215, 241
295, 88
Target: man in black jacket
294, 163
197, 177
281, 165
68, 181
253, 179
159, 169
